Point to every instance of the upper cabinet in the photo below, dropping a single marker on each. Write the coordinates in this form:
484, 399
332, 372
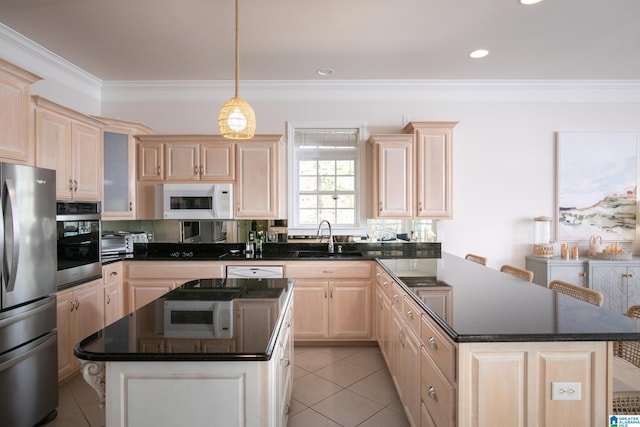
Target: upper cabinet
119, 166
392, 175
70, 143
261, 182
16, 143
184, 158
434, 164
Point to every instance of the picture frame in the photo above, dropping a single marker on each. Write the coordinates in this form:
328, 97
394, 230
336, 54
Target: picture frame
596, 186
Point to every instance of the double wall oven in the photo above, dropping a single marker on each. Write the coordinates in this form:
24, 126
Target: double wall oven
78, 237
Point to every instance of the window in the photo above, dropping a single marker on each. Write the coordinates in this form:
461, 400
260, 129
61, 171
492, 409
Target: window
327, 182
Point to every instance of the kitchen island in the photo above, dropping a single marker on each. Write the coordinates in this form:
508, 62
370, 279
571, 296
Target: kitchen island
212, 350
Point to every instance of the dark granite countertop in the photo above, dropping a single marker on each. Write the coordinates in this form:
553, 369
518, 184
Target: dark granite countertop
488, 305
127, 339
277, 251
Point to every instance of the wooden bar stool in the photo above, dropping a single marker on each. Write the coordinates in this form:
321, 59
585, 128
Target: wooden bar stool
580, 292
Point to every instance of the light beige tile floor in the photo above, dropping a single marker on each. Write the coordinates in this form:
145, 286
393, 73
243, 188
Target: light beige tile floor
332, 387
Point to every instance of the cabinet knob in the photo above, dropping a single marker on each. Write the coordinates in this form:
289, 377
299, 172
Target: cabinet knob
285, 362
396, 298
410, 314
287, 409
130, 206
72, 305
108, 299
77, 304
75, 185
432, 393
195, 171
201, 170
158, 171
70, 185
113, 273
385, 284
432, 343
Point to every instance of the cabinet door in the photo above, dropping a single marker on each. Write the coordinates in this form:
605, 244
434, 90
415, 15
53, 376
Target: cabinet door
14, 103
310, 309
633, 286
150, 161
434, 173
256, 186
217, 161
397, 351
255, 322
67, 362
609, 280
412, 382
575, 274
53, 150
142, 292
393, 176
350, 309
113, 303
87, 162
89, 309
183, 162
118, 190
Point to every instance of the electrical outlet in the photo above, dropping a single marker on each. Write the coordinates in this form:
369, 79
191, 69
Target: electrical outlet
566, 391
413, 264
405, 119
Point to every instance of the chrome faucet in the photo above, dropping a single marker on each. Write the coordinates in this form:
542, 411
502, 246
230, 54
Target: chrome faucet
324, 221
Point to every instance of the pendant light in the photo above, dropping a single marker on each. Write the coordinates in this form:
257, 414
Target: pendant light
237, 119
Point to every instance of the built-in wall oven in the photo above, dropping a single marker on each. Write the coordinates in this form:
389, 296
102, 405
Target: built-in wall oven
78, 242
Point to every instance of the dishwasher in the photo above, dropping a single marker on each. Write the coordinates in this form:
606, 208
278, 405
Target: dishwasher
255, 272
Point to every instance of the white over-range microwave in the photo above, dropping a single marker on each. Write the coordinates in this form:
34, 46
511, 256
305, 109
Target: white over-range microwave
194, 201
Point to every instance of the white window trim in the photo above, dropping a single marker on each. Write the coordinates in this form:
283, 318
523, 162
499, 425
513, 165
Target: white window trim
361, 179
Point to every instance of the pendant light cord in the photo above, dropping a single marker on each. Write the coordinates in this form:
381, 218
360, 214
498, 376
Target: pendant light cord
237, 48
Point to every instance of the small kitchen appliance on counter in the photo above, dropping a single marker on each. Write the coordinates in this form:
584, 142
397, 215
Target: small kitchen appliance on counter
120, 243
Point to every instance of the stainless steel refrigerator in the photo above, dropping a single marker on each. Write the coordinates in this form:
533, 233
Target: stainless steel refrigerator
28, 264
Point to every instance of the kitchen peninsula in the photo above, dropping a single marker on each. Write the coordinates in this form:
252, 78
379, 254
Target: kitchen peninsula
465, 344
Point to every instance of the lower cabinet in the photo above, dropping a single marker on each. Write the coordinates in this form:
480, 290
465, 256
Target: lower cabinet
333, 300
112, 277
442, 383
80, 312
619, 283
546, 270
262, 312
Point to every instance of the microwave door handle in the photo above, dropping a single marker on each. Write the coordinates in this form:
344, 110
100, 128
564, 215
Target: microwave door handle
9, 272
216, 202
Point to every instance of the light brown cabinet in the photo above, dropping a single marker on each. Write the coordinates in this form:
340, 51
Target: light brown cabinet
255, 319
392, 176
150, 160
71, 144
80, 313
433, 168
333, 300
119, 168
113, 288
260, 190
16, 143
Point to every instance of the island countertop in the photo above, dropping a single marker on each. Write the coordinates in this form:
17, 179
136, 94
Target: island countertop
133, 337
490, 306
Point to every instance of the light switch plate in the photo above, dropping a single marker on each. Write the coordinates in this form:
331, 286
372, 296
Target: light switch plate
566, 391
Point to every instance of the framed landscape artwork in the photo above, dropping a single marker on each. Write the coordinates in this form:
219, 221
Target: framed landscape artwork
596, 186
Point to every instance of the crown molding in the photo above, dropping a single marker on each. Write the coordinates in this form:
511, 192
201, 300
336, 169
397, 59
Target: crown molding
31, 56
380, 90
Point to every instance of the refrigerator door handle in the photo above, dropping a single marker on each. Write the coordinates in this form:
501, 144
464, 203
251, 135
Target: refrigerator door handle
9, 270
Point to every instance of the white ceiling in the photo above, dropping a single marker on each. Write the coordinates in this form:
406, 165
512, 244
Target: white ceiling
360, 39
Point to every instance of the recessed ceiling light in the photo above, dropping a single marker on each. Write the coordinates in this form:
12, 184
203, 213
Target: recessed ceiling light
326, 72
528, 2
480, 53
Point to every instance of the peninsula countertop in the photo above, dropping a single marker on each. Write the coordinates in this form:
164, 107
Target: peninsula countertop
490, 306
124, 340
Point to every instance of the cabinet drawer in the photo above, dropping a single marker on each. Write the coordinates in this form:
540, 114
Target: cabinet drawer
384, 281
440, 348
179, 270
411, 314
112, 273
329, 270
397, 293
438, 395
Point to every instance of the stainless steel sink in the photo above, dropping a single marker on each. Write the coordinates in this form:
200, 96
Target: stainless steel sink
323, 254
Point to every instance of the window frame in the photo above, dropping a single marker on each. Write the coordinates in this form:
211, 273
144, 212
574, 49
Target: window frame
360, 227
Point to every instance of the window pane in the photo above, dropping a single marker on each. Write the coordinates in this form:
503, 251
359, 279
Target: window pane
346, 216
308, 201
308, 183
345, 167
345, 183
328, 214
346, 201
326, 167
326, 201
327, 183
308, 167
308, 216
